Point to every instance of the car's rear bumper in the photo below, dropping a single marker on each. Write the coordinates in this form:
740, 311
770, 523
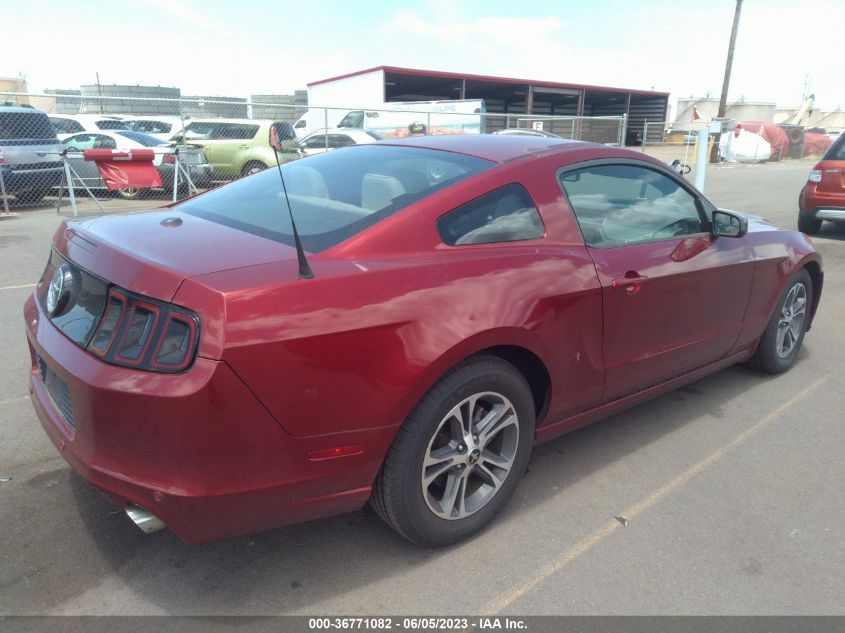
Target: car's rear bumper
195, 449
822, 205
200, 173
18, 180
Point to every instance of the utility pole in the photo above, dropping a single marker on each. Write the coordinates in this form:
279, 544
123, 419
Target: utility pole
723, 100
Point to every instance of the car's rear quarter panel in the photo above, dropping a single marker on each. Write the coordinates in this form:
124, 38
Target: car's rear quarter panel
387, 315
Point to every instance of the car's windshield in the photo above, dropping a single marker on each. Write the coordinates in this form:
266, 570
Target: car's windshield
139, 137
333, 195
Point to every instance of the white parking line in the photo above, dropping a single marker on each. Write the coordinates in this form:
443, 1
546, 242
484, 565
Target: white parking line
506, 598
2, 402
17, 287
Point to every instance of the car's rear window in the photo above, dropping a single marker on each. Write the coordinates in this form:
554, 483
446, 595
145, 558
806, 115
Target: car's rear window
334, 195
837, 150
35, 126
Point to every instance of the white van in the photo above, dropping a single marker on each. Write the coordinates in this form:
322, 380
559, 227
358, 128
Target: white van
401, 118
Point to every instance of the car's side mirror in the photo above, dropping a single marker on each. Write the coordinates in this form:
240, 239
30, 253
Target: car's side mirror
727, 224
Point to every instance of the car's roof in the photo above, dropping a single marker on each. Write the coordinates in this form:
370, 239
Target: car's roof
19, 108
86, 117
498, 148
239, 121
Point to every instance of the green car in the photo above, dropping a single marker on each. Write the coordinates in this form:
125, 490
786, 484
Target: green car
239, 147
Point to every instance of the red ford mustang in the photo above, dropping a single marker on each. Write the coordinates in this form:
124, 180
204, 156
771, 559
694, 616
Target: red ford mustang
456, 300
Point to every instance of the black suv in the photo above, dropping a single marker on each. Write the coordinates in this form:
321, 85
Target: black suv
31, 166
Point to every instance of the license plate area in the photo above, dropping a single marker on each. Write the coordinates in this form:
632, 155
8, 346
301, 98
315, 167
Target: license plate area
58, 391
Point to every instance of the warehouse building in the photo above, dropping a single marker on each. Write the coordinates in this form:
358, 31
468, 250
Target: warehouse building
382, 84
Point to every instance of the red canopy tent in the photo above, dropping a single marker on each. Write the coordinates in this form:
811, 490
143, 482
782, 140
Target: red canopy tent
816, 143
122, 169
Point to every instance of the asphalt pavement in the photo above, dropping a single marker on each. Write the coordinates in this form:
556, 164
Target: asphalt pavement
724, 497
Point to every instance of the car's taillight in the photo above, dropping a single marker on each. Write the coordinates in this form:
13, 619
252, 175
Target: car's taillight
816, 174
146, 334
169, 159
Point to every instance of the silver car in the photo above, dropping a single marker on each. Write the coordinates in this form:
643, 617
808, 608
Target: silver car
31, 166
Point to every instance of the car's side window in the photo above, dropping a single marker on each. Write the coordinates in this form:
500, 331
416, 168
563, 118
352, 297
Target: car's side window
627, 204
505, 215
103, 142
66, 126
235, 131
315, 142
79, 142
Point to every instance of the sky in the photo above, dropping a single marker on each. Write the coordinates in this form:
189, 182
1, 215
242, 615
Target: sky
228, 48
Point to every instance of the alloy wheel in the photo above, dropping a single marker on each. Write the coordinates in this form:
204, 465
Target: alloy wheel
791, 322
470, 455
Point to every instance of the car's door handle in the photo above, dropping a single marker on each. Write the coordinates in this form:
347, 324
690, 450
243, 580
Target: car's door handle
631, 282
244, 146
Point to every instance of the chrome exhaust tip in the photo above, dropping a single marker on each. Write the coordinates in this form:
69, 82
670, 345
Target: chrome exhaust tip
147, 521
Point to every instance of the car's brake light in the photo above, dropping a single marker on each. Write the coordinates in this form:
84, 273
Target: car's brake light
146, 334
816, 174
169, 159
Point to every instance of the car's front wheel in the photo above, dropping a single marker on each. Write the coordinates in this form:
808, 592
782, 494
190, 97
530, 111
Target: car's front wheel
459, 456
783, 336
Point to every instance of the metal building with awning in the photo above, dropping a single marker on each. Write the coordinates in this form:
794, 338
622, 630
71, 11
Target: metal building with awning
501, 94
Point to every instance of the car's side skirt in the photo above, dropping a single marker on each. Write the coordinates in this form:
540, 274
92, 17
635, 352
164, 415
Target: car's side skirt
555, 429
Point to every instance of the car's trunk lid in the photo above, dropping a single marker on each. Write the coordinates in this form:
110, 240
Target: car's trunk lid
151, 252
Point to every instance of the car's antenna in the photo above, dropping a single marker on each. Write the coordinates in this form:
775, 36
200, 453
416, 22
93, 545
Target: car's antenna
304, 269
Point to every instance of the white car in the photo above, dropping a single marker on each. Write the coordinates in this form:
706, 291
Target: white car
66, 124
162, 127
193, 159
332, 138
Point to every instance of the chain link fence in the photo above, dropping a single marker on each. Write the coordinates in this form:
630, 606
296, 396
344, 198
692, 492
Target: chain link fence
198, 143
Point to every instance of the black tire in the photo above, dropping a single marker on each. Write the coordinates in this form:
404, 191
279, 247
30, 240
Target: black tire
130, 194
808, 224
253, 167
398, 496
767, 358
32, 196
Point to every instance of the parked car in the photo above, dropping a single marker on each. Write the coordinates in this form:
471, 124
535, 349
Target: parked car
238, 147
524, 131
333, 138
193, 159
454, 300
31, 164
74, 123
823, 196
162, 127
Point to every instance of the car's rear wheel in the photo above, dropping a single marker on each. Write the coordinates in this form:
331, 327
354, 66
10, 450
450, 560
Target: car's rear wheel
253, 167
131, 193
782, 339
459, 455
808, 224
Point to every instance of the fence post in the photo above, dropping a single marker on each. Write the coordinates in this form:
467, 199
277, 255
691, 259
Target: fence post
645, 134
326, 127
428, 123
701, 158
623, 130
